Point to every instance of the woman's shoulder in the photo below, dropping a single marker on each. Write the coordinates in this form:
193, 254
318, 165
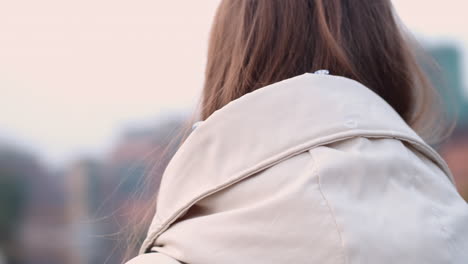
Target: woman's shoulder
307, 113
356, 193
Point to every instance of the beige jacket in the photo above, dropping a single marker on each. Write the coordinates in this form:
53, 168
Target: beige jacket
312, 169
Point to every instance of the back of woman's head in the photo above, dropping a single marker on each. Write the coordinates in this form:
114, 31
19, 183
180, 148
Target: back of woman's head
254, 43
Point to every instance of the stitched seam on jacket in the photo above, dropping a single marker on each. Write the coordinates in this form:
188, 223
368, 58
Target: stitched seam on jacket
442, 229
291, 152
330, 209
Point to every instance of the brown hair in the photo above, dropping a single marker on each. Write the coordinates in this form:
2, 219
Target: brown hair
254, 43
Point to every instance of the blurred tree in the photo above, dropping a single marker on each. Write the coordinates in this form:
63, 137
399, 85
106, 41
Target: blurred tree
11, 201
13, 193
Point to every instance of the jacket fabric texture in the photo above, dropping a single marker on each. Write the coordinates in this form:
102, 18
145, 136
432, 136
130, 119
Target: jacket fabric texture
316, 168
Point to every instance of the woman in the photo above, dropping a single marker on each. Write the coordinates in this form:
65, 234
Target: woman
313, 146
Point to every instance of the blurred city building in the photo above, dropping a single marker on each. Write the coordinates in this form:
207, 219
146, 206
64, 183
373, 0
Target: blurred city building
455, 150
105, 198
33, 219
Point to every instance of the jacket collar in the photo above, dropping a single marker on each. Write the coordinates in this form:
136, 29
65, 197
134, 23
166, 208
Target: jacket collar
268, 125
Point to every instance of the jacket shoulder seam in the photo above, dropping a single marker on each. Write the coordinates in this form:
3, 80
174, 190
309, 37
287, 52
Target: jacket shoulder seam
328, 205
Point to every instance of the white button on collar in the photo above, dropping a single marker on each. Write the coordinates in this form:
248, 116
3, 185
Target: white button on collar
323, 71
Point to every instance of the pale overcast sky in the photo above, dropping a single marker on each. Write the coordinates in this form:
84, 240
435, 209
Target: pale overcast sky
71, 73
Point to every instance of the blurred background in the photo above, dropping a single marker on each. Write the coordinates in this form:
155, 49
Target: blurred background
93, 91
